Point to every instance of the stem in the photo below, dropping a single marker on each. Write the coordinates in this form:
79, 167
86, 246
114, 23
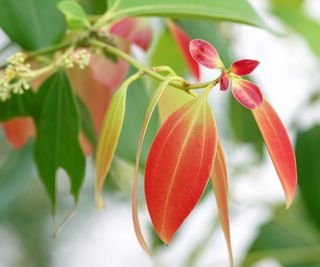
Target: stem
50, 49
108, 16
164, 69
42, 71
151, 71
45, 50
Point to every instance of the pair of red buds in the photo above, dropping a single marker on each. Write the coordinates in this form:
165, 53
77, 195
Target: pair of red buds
246, 92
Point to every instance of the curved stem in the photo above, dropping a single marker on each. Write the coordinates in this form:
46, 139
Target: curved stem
50, 49
108, 16
46, 50
186, 86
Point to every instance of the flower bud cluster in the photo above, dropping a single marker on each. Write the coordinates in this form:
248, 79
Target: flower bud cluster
80, 57
14, 78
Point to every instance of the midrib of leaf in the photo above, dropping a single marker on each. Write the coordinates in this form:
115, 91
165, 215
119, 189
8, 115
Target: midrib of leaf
185, 141
35, 19
202, 147
113, 121
175, 125
58, 120
53, 87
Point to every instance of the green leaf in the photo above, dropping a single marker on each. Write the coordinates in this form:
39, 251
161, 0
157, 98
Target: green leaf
75, 15
94, 7
288, 238
294, 15
136, 107
57, 143
231, 10
13, 179
33, 24
168, 53
18, 105
308, 158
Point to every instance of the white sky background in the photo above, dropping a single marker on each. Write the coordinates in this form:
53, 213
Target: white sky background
287, 75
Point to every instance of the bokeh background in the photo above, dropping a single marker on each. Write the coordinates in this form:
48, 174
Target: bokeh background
264, 233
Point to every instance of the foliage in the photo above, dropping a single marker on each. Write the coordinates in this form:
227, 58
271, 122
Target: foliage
154, 118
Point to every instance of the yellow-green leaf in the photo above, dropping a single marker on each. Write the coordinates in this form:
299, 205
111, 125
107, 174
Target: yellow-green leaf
170, 100
109, 136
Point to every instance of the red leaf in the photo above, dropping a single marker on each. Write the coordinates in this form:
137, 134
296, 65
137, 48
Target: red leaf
224, 82
244, 67
246, 93
205, 54
179, 165
279, 147
134, 30
19, 130
152, 105
220, 186
183, 41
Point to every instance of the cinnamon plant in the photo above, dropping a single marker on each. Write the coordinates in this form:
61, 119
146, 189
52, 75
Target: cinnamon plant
186, 151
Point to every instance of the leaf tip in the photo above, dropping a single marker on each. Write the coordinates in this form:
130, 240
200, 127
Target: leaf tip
290, 198
100, 202
166, 239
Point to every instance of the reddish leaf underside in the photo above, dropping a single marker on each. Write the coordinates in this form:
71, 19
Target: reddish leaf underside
244, 67
19, 130
97, 83
279, 147
205, 54
134, 30
179, 165
183, 41
246, 93
220, 186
